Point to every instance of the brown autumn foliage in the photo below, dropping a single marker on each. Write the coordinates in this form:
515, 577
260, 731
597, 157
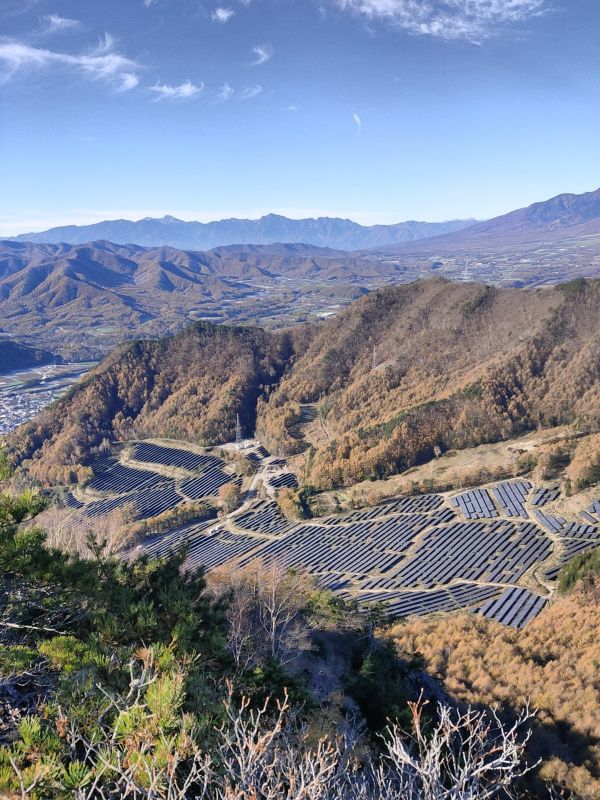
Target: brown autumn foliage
456, 365
187, 387
553, 662
584, 469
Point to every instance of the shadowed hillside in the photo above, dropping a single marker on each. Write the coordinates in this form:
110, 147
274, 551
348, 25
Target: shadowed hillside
552, 664
18, 356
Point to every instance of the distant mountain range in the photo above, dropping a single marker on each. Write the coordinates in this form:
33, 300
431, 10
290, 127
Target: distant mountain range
81, 299
564, 217
341, 234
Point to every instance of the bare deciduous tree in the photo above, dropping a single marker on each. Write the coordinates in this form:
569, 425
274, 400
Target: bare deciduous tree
263, 754
265, 611
71, 531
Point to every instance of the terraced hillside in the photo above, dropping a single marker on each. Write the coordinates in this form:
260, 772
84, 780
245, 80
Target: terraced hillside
149, 479
495, 550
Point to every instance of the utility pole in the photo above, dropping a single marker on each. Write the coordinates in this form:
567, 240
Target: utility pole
238, 431
374, 362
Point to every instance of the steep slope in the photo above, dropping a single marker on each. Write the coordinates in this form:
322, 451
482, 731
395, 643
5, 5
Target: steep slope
456, 365
550, 664
17, 356
395, 374
564, 217
190, 386
342, 234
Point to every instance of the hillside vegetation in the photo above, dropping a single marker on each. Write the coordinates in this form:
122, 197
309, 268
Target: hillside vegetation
456, 365
552, 663
398, 373
188, 387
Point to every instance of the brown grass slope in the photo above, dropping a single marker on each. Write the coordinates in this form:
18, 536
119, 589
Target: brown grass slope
553, 663
456, 365
189, 387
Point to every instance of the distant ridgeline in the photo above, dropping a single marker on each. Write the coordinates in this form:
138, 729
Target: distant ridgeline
395, 374
18, 356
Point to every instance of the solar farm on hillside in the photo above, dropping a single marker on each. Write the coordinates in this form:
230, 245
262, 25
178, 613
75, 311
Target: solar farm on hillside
495, 550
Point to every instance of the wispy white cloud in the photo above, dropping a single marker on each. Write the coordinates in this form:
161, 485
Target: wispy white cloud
251, 91
263, 53
222, 14
102, 63
473, 20
356, 118
293, 108
149, 3
53, 23
185, 91
224, 93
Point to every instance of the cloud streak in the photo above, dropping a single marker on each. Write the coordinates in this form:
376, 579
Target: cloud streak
356, 118
251, 91
223, 15
263, 53
224, 93
103, 63
185, 91
53, 23
473, 20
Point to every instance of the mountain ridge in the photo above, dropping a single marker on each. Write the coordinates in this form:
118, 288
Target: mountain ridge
335, 232
457, 365
565, 216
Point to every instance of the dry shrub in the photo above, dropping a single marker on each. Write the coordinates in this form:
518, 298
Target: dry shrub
72, 532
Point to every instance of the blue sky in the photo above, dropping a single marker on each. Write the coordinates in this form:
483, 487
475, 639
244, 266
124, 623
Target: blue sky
378, 110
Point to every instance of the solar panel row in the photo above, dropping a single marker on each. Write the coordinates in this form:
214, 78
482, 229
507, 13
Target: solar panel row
515, 607
475, 504
511, 495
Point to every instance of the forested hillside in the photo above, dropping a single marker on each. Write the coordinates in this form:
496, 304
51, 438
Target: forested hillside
18, 356
552, 663
434, 363
398, 373
190, 387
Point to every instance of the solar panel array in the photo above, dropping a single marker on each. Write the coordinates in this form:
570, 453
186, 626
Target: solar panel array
415, 554
205, 549
512, 495
476, 504
151, 493
500, 552
515, 607
355, 548
284, 479
264, 517
207, 485
111, 476
544, 496
151, 453
418, 603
